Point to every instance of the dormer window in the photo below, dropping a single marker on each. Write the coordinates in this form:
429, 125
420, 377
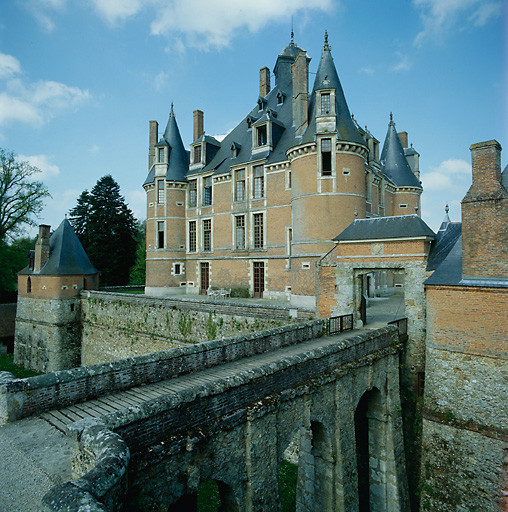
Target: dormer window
235, 149
261, 103
280, 98
325, 103
249, 120
197, 154
261, 135
161, 155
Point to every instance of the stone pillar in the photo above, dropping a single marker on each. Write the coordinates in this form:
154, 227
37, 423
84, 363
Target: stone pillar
264, 81
198, 124
42, 247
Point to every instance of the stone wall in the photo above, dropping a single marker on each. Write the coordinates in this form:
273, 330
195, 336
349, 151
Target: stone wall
25, 397
116, 326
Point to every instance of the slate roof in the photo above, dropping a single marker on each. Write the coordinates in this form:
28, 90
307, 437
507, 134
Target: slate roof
449, 271
504, 178
443, 244
66, 254
393, 161
379, 228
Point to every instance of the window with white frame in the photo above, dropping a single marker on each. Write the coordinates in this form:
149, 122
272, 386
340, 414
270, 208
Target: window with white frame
161, 155
326, 157
259, 182
192, 236
240, 232
262, 135
258, 230
160, 235
325, 103
197, 154
240, 185
160, 191
193, 193
207, 191
207, 235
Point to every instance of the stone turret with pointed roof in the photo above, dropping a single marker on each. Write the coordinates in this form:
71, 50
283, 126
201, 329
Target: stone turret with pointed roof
393, 160
322, 107
48, 328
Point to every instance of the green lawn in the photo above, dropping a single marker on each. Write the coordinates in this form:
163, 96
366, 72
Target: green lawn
7, 365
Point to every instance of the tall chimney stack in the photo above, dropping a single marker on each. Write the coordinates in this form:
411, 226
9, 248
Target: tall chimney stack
403, 139
301, 92
485, 217
152, 140
42, 247
264, 81
198, 124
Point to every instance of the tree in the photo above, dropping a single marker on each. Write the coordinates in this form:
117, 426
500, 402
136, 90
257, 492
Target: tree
107, 229
138, 271
21, 197
13, 258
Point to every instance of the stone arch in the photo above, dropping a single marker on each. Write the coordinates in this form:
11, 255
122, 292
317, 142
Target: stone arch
372, 455
211, 495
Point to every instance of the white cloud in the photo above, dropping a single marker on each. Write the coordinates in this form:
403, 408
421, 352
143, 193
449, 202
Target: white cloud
115, 11
36, 103
403, 63
205, 23
439, 16
94, 148
452, 175
48, 170
160, 80
43, 11
9, 65
367, 70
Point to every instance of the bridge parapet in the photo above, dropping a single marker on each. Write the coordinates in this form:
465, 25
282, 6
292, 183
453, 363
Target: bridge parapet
25, 397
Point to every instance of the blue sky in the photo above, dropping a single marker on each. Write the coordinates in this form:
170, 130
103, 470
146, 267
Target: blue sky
80, 80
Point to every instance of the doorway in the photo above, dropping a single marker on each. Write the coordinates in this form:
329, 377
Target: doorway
205, 277
259, 279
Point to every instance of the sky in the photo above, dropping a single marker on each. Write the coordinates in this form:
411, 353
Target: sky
81, 79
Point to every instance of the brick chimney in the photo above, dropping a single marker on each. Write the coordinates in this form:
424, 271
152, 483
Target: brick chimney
403, 139
300, 70
485, 217
42, 247
264, 81
152, 140
198, 125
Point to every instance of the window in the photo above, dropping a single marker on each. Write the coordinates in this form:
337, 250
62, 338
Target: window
261, 136
192, 236
207, 235
207, 191
326, 157
288, 180
325, 103
280, 98
240, 232
259, 182
161, 155
193, 193
258, 231
178, 269
197, 154
160, 191
28, 285
240, 185
160, 235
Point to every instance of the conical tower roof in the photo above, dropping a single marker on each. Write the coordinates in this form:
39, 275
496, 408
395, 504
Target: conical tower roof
393, 161
327, 78
66, 254
178, 156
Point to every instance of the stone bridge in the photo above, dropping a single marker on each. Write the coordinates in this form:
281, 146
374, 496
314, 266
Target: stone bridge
146, 432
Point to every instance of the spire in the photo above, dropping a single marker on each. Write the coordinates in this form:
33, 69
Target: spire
393, 160
178, 156
292, 33
326, 46
327, 78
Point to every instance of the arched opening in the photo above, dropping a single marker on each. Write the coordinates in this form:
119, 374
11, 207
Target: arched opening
29, 285
371, 456
323, 466
211, 496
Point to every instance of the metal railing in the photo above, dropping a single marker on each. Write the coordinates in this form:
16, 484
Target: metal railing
340, 323
401, 324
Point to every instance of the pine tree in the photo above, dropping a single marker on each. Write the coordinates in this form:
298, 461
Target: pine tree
107, 229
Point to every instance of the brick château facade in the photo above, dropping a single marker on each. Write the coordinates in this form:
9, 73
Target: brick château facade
257, 209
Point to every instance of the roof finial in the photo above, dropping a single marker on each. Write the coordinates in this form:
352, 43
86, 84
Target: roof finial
391, 117
171, 113
292, 33
446, 209
326, 46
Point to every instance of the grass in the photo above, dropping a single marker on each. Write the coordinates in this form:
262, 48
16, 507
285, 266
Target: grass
209, 497
287, 486
7, 365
